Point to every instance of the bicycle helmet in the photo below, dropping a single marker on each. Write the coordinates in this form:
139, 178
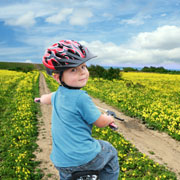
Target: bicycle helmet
65, 54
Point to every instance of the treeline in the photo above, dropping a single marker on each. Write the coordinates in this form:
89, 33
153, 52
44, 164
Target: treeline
151, 69
97, 71
24, 67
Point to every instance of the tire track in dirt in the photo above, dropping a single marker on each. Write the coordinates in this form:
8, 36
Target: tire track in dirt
165, 150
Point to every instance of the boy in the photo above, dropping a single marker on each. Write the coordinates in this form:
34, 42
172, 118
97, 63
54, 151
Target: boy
73, 115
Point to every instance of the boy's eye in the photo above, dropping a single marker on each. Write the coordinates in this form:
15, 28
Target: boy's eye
84, 66
73, 70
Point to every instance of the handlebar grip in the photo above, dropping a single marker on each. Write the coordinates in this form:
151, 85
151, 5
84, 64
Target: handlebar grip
37, 100
113, 126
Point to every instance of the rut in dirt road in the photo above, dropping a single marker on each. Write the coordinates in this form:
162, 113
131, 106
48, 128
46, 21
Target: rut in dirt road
165, 149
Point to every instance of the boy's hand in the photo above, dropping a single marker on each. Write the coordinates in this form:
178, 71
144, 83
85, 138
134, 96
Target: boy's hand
37, 100
112, 125
104, 120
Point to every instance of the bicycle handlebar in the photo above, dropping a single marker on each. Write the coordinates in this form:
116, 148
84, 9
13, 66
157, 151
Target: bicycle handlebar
114, 115
113, 126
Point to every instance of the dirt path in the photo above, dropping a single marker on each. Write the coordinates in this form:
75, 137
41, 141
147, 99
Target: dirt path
44, 139
165, 149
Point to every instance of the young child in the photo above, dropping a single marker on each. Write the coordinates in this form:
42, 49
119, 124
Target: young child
74, 114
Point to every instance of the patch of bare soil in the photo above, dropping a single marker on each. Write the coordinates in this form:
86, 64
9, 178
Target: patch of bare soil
158, 146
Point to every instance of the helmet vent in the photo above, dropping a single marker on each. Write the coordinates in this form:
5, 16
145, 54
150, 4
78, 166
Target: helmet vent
57, 64
60, 45
82, 49
59, 55
49, 51
71, 51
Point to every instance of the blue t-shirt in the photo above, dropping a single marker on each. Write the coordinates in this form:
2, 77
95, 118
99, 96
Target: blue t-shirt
73, 115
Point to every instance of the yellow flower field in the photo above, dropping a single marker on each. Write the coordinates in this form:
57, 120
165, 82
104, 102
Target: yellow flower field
18, 125
165, 92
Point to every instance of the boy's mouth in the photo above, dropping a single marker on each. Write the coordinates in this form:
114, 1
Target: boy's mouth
83, 79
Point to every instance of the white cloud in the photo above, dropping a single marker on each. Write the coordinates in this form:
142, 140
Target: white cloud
158, 47
108, 16
25, 20
164, 14
59, 17
25, 15
28, 61
132, 21
165, 37
136, 20
80, 17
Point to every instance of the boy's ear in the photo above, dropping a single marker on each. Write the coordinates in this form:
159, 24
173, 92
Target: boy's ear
56, 77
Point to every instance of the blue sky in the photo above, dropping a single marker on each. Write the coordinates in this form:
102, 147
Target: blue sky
134, 33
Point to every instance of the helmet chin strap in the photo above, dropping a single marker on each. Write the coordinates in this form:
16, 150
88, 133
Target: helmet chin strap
64, 84
69, 87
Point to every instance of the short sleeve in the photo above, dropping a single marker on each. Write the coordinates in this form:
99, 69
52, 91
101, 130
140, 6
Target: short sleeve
52, 98
86, 107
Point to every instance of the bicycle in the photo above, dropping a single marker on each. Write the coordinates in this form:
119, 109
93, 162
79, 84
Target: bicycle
85, 175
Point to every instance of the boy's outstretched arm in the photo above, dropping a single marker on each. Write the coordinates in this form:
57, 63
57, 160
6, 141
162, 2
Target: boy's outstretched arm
44, 99
104, 120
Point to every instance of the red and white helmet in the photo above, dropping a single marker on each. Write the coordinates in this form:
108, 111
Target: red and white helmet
65, 54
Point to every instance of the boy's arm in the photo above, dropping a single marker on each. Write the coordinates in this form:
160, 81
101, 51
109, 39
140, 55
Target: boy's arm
44, 99
104, 120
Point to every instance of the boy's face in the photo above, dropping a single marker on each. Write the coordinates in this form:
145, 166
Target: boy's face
76, 77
